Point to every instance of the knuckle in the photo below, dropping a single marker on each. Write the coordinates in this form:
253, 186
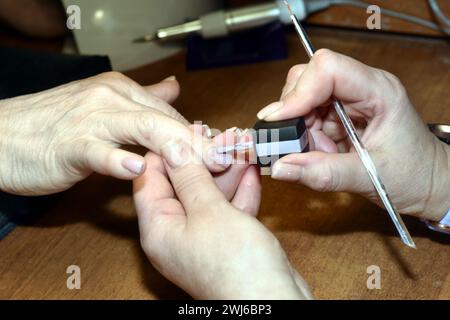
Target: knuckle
325, 59
84, 150
295, 72
394, 82
187, 181
109, 160
324, 55
114, 75
146, 125
391, 90
100, 91
75, 159
325, 181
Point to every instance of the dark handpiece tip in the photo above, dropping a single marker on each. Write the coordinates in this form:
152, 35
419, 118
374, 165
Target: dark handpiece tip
144, 39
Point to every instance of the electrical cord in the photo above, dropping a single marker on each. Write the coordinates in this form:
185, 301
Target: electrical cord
317, 5
438, 13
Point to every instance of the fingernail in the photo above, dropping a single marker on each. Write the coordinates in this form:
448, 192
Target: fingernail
222, 159
176, 153
287, 172
206, 131
231, 129
134, 166
239, 132
171, 78
270, 109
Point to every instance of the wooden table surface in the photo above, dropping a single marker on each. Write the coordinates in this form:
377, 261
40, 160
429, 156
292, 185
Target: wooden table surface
331, 239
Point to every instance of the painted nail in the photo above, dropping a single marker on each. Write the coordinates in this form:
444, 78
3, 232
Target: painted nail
134, 166
206, 131
239, 133
270, 109
171, 78
287, 172
233, 129
222, 159
176, 153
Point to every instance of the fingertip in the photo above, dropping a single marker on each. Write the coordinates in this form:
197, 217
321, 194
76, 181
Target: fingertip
270, 111
215, 161
303, 159
290, 106
172, 81
170, 78
167, 90
153, 184
253, 177
248, 194
192, 182
153, 162
135, 165
115, 162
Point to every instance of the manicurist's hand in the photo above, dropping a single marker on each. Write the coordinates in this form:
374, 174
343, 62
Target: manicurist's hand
53, 139
414, 165
201, 232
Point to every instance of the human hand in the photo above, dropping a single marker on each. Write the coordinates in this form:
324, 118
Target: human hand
413, 164
208, 246
53, 139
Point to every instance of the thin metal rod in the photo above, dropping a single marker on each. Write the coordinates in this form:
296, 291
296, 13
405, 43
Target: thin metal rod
359, 147
243, 146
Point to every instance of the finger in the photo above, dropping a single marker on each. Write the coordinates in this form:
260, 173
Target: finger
120, 89
147, 100
292, 78
161, 217
229, 180
326, 76
153, 185
201, 129
167, 90
333, 128
302, 285
191, 180
107, 160
324, 171
248, 194
153, 129
322, 142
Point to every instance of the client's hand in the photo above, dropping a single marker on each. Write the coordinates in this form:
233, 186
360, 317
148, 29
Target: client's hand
52, 139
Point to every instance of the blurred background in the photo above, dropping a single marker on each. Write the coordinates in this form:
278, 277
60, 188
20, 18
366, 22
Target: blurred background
109, 27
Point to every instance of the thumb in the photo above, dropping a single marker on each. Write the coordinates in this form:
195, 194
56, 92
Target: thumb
191, 180
324, 172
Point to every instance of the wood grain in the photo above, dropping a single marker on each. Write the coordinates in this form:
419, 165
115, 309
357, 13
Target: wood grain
331, 239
